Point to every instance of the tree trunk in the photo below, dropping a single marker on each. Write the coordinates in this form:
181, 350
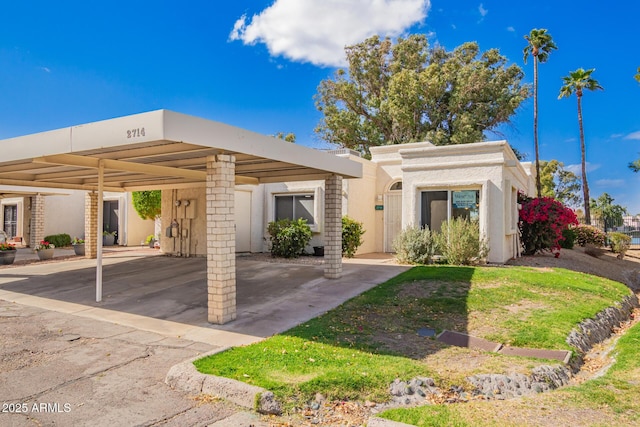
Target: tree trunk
535, 124
585, 185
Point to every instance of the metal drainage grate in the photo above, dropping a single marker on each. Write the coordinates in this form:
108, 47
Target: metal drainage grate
426, 332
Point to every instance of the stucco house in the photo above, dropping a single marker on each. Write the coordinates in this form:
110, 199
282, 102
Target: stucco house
62, 211
402, 185
222, 185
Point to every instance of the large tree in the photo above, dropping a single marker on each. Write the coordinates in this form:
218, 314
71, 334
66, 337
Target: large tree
576, 82
393, 93
559, 183
539, 45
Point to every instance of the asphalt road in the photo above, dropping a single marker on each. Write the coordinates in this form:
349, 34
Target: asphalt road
59, 369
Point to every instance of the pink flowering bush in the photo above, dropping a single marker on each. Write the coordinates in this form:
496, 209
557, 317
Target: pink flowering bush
542, 221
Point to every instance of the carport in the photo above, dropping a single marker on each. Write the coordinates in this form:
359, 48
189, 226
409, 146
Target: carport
168, 150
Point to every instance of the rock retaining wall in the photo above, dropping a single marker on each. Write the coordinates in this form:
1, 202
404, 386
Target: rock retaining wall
593, 331
542, 378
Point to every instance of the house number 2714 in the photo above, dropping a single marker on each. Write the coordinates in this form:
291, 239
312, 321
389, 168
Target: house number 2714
135, 133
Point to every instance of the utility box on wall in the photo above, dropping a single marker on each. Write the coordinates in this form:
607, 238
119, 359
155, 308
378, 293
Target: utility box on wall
187, 209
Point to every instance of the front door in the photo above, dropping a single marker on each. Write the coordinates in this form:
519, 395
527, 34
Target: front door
392, 219
111, 216
10, 223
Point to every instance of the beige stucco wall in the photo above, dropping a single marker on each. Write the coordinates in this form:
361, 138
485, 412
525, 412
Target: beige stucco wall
137, 229
298, 187
257, 215
358, 202
191, 239
488, 167
64, 214
388, 170
360, 198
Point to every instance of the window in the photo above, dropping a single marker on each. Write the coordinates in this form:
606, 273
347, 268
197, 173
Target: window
396, 186
295, 206
439, 206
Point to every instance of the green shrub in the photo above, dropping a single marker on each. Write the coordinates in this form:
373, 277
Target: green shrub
415, 245
589, 235
352, 232
289, 237
620, 243
460, 242
59, 240
569, 238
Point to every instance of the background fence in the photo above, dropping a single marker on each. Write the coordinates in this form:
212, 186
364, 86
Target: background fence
628, 225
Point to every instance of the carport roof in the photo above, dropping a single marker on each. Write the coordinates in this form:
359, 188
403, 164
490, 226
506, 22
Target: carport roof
155, 150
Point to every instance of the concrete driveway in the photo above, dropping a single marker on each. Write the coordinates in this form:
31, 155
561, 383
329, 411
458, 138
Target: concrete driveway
88, 363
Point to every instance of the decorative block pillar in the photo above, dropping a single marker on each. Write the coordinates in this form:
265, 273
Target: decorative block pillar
91, 225
221, 238
333, 227
37, 220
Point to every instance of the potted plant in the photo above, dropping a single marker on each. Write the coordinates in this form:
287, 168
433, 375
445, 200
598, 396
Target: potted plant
78, 246
44, 250
108, 238
7, 253
151, 241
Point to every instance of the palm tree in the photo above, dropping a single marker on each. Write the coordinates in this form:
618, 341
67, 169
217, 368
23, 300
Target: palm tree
576, 82
539, 45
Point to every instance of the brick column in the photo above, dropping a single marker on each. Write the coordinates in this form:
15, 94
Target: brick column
91, 224
221, 239
333, 227
37, 220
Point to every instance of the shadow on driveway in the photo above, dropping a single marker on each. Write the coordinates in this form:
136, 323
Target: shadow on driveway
271, 297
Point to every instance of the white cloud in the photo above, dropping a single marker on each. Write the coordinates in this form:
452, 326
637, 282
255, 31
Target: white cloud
45, 69
577, 168
317, 31
511, 29
610, 183
633, 135
482, 10
616, 135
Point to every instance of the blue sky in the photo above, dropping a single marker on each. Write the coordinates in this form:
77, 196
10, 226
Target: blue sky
257, 64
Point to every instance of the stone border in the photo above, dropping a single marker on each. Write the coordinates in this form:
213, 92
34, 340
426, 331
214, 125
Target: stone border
184, 376
544, 378
593, 331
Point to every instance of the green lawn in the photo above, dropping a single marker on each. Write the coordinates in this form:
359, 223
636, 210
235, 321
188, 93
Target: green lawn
357, 349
